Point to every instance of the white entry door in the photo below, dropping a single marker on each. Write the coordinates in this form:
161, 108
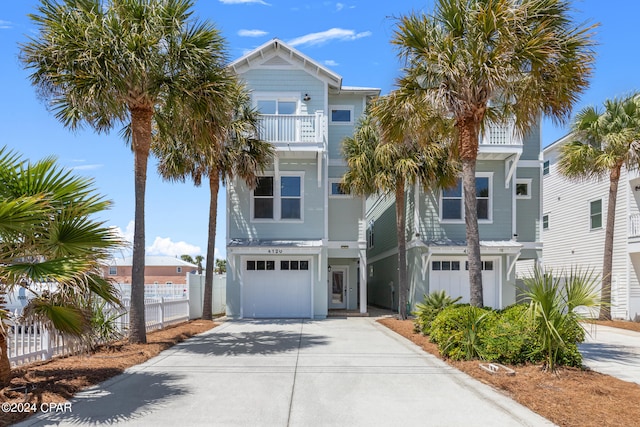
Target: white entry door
338, 285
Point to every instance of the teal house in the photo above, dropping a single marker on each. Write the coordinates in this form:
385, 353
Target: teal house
296, 244
508, 181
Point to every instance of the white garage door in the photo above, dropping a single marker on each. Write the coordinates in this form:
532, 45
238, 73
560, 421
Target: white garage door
276, 288
452, 276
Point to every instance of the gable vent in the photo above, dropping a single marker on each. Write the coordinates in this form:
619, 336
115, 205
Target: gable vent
276, 61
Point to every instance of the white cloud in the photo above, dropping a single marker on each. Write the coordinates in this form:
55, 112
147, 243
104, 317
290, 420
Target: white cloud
244, 2
326, 36
331, 63
5, 25
165, 246
127, 234
86, 167
252, 33
339, 7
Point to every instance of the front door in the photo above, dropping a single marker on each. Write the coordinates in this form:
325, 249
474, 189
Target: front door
338, 290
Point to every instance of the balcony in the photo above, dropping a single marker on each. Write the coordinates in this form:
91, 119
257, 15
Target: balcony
294, 132
499, 142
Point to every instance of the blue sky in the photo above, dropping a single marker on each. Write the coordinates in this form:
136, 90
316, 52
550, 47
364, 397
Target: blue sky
350, 37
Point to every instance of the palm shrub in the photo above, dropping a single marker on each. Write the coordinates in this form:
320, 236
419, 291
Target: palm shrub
459, 330
431, 305
553, 303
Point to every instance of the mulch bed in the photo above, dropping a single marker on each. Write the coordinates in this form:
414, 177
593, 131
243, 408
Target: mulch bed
57, 380
569, 397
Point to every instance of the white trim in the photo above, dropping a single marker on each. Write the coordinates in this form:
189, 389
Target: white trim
526, 181
345, 284
277, 96
337, 196
602, 219
277, 197
349, 108
489, 220
383, 255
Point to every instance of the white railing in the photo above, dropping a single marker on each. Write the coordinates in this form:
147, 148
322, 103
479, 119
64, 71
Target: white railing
291, 127
634, 225
501, 134
30, 343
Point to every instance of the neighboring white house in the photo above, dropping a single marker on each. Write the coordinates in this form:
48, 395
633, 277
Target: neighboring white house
508, 177
295, 243
574, 219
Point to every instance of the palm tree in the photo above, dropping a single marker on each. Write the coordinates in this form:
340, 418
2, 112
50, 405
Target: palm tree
198, 260
226, 145
113, 63
221, 266
606, 141
391, 150
484, 62
47, 235
187, 258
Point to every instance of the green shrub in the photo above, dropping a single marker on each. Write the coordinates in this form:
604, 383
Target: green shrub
511, 338
459, 329
431, 305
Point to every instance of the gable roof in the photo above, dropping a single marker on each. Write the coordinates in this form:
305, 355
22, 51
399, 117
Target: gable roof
276, 53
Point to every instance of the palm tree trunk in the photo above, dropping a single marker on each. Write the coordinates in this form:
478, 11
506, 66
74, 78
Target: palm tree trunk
214, 186
141, 142
5, 365
402, 249
468, 153
607, 259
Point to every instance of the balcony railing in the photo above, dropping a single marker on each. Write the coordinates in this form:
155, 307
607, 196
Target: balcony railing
634, 225
501, 134
292, 128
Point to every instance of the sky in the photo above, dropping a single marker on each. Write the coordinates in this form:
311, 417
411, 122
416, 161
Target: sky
351, 37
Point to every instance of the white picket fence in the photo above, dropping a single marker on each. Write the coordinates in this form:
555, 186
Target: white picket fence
30, 343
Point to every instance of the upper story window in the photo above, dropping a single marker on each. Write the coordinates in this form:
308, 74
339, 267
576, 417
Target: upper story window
452, 201
545, 221
113, 270
277, 198
277, 106
178, 269
341, 115
545, 167
523, 188
370, 235
595, 214
337, 189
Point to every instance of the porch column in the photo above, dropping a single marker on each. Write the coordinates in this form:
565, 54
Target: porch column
363, 280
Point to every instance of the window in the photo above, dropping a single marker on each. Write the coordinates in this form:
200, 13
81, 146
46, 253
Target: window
277, 106
337, 189
545, 222
178, 269
485, 265
263, 198
278, 202
341, 114
452, 204
113, 271
595, 214
523, 188
370, 235
290, 197
445, 265
545, 167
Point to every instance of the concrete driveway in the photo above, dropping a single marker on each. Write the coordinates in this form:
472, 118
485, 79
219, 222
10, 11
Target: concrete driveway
334, 372
612, 351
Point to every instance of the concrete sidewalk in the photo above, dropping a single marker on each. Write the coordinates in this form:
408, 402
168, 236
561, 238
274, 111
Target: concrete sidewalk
612, 351
334, 372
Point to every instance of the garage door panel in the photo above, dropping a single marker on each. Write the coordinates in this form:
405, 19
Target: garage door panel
276, 293
456, 282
